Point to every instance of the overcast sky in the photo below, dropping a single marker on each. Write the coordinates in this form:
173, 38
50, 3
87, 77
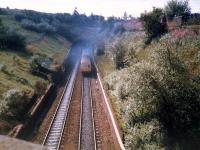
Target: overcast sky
100, 7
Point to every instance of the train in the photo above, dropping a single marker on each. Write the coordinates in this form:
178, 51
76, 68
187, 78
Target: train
86, 64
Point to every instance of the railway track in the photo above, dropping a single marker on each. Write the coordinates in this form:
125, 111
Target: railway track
87, 139
70, 139
55, 131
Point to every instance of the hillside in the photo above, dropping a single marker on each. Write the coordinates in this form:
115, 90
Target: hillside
15, 67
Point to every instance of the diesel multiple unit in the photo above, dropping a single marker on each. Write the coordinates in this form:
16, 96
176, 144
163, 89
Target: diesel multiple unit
86, 65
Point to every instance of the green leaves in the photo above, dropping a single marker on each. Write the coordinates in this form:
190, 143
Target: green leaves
177, 8
152, 24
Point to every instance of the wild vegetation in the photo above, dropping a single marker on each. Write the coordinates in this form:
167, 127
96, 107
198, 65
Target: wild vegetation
155, 87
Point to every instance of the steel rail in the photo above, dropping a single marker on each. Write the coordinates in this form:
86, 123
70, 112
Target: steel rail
55, 131
92, 116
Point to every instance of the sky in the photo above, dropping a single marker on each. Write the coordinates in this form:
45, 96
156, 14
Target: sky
99, 7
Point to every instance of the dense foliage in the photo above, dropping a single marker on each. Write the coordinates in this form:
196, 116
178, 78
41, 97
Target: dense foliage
40, 27
158, 95
120, 59
14, 104
10, 39
62, 23
152, 24
194, 19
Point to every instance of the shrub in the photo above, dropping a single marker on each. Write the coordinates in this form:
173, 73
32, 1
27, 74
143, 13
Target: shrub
40, 63
12, 40
13, 103
15, 40
120, 58
101, 49
152, 25
179, 105
40, 88
194, 20
36, 63
147, 136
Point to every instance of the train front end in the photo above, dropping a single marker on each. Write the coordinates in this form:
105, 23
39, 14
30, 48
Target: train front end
86, 67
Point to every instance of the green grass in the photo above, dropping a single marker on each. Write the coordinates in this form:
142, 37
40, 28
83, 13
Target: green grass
17, 69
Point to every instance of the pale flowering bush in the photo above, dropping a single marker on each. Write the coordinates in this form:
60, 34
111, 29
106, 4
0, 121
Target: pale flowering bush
185, 48
147, 136
119, 83
123, 50
13, 103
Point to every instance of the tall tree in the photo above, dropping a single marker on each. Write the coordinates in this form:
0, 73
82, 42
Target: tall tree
177, 8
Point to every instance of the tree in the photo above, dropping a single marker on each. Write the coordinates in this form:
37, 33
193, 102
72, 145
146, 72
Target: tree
177, 8
152, 24
120, 58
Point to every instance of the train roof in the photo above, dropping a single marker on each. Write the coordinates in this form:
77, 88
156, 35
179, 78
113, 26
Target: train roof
85, 58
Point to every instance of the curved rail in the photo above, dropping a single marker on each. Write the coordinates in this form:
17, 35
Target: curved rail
87, 133
54, 134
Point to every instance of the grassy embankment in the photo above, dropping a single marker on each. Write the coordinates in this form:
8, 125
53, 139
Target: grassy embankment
15, 65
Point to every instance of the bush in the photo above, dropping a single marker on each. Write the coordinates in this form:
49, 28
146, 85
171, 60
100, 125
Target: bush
14, 103
179, 105
152, 25
101, 49
147, 136
194, 20
120, 59
40, 88
9, 38
40, 64
12, 40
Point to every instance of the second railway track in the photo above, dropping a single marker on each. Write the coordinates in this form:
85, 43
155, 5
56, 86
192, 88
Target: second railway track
54, 134
87, 132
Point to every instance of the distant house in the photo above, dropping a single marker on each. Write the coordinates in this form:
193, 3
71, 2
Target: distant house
132, 24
